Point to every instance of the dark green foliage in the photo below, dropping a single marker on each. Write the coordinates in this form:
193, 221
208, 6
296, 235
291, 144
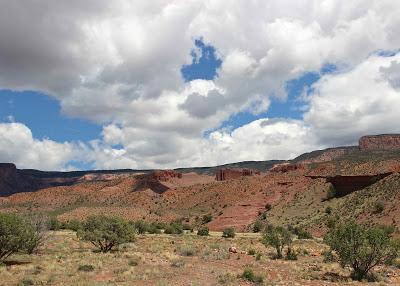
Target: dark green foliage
249, 275
17, 235
141, 226
229, 232
251, 251
361, 247
105, 233
174, 228
207, 218
86, 268
378, 207
203, 231
153, 229
291, 254
301, 233
328, 256
328, 210
258, 226
54, 224
74, 225
277, 237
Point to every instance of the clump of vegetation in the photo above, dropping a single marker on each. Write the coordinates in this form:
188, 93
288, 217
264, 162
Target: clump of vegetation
207, 218
361, 247
301, 233
291, 254
249, 275
141, 226
251, 251
174, 228
177, 263
203, 231
226, 279
74, 225
268, 207
277, 237
258, 226
328, 210
328, 256
229, 232
54, 224
17, 235
187, 250
106, 233
86, 268
378, 207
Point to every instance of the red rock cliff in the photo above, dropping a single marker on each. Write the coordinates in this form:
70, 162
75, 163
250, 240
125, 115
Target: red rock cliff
228, 174
380, 142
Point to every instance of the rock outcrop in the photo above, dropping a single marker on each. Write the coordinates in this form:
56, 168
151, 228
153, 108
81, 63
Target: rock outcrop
285, 167
229, 174
380, 142
345, 185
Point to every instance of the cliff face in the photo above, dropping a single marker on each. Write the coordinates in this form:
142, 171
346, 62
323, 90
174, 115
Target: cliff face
11, 181
229, 174
380, 142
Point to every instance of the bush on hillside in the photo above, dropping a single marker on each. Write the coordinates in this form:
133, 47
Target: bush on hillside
229, 232
106, 233
174, 228
258, 226
277, 237
207, 218
203, 231
361, 247
17, 235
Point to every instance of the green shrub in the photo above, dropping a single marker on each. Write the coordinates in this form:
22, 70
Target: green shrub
328, 256
74, 225
203, 231
361, 247
328, 210
258, 226
378, 207
187, 250
86, 268
301, 233
277, 237
291, 254
249, 275
105, 233
54, 224
174, 228
153, 229
251, 251
258, 256
141, 226
207, 218
229, 232
17, 235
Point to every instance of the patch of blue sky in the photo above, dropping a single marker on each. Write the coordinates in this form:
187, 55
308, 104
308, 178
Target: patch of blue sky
42, 114
205, 63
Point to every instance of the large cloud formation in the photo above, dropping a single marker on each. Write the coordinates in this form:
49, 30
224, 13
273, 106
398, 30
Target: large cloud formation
119, 64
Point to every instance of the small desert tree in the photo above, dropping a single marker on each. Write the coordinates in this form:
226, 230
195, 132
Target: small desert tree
229, 232
17, 235
277, 237
105, 233
361, 247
